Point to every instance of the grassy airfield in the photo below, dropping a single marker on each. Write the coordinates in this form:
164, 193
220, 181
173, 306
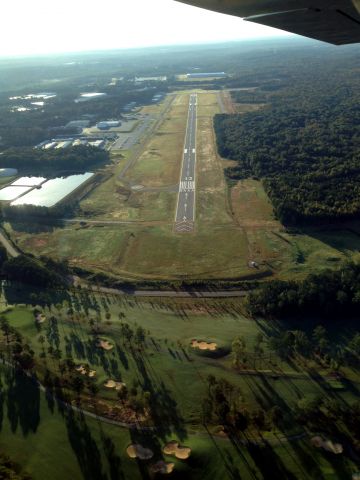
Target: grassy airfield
234, 225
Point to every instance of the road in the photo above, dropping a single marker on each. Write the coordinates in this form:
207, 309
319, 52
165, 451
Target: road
185, 211
11, 250
166, 293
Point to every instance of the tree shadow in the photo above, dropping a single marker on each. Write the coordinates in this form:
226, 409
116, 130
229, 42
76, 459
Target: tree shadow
114, 460
22, 402
269, 463
84, 447
164, 409
122, 357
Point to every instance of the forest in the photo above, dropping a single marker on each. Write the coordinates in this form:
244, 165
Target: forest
41, 272
325, 295
303, 142
79, 159
28, 128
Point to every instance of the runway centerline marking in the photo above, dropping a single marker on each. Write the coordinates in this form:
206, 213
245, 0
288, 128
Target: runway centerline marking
185, 209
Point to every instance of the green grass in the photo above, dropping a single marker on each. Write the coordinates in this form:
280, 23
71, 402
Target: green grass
50, 444
5, 180
169, 357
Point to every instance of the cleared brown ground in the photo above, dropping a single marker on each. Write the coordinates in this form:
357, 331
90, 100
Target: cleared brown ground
251, 206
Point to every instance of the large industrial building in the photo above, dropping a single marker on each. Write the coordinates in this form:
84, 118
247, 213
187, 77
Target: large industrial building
106, 124
8, 172
206, 75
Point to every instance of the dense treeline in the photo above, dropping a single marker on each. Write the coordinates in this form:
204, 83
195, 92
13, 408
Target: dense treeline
40, 272
79, 159
331, 293
304, 144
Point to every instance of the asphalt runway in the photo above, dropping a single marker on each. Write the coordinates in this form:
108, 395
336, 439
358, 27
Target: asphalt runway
185, 211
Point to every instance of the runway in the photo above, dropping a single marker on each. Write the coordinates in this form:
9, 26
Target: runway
185, 210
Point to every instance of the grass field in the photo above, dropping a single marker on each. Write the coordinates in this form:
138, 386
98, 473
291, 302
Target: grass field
50, 442
5, 180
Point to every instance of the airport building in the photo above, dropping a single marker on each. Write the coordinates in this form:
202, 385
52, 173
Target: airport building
206, 75
8, 172
161, 78
106, 124
62, 143
77, 124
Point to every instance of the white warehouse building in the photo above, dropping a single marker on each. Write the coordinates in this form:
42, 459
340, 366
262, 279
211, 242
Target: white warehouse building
8, 172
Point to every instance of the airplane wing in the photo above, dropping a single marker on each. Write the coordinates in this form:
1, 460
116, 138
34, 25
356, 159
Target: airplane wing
332, 21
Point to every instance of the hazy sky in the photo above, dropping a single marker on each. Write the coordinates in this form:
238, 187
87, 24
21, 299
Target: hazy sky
45, 26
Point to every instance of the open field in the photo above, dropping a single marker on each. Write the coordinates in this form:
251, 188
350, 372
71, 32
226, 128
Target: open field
66, 445
248, 107
5, 180
289, 254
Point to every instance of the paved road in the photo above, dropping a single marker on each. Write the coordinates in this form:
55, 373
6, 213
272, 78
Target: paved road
185, 211
167, 293
11, 250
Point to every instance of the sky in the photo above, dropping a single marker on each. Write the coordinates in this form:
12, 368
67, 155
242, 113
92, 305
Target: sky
31, 27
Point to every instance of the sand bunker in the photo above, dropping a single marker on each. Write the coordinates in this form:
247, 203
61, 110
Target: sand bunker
327, 445
81, 369
173, 448
105, 345
40, 318
162, 467
135, 450
113, 384
203, 345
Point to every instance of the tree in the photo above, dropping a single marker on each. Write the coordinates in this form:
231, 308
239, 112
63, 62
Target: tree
354, 344
140, 336
241, 420
258, 418
309, 407
127, 332
25, 360
238, 348
3, 255
5, 327
302, 343
275, 415
282, 344
320, 339
93, 389
206, 410
123, 394
77, 384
